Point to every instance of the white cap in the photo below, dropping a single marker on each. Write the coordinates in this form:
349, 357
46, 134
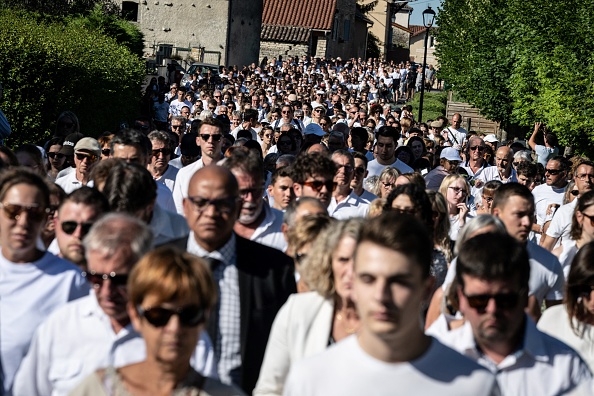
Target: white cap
491, 138
451, 154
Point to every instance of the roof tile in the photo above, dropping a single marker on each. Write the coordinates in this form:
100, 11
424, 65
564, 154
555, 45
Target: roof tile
313, 14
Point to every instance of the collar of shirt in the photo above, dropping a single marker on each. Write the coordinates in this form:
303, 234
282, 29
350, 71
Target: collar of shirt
225, 254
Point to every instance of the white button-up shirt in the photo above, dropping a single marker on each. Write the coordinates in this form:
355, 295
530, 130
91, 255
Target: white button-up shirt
352, 206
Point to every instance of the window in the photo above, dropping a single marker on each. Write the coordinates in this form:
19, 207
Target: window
335, 28
346, 33
130, 11
431, 41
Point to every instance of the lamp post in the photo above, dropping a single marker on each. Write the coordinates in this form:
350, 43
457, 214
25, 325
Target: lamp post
428, 18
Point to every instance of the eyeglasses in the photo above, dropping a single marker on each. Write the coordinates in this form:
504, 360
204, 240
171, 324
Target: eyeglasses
323, 124
285, 112
590, 217
163, 151
189, 316
553, 171
388, 185
318, 184
575, 193
318, 110
223, 205
53, 155
96, 279
243, 193
216, 97
70, 226
479, 148
458, 190
515, 164
106, 152
88, 157
34, 212
175, 126
410, 211
360, 170
502, 300
585, 176
215, 137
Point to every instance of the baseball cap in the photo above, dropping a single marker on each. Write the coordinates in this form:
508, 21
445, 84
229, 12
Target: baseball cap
451, 154
88, 144
491, 138
70, 142
314, 129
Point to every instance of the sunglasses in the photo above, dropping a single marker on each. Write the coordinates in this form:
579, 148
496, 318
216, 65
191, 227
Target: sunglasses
360, 170
55, 155
70, 226
175, 126
503, 300
458, 190
515, 164
106, 152
553, 171
34, 212
88, 157
215, 137
163, 151
223, 205
189, 316
409, 211
590, 217
318, 184
97, 279
479, 148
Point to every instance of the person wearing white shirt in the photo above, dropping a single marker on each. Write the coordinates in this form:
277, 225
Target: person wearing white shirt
549, 196
176, 104
345, 204
210, 140
493, 272
386, 141
359, 174
33, 283
390, 351
86, 153
158, 165
455, 135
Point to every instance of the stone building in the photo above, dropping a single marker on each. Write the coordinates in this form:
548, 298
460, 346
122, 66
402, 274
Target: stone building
391, 27
231, 27
330, 28
417, 45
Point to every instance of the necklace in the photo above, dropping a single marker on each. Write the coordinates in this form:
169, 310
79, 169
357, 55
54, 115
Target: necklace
345, 327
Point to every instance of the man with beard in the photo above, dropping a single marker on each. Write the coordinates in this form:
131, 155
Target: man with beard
493, 274
503, 161
257, 221
345, 203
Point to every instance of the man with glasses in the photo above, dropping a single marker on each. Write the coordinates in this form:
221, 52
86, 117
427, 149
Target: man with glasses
548, 197
478, 169
345, 203
352, 119
318, 113
210, 139
34, 282
74, 219
560, 226
449, 161
86, 152
254, 280
257, 221
287, 118
160, 156
359, 174
494, 276
313, 176
94, 332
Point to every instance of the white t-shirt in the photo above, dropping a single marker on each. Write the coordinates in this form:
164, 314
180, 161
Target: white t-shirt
182, 182
545, 195
374, 168
28, 294
560, 226
69, 183
345, 369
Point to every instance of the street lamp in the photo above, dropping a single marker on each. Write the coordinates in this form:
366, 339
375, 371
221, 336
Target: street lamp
428, 18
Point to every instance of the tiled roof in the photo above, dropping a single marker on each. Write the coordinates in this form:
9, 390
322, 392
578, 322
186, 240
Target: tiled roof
290, 34
399, 26
418, 29
313, 14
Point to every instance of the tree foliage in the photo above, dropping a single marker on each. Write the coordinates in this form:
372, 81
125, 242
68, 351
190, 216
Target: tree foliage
49, 67
373, 46
522, 61
60, 8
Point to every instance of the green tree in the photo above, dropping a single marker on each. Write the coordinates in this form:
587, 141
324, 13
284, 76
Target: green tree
49, 67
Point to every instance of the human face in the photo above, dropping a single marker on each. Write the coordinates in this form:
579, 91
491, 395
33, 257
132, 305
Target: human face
267, 137
282, 192
451, 166
130, 154
487, 198
177, 127
503, 159
359, 173
71, 247
585, 219
251, 192
287, 113
584, 177
212, 225
55, 158
210, 147
553, 175
344, 171
385, 150
173, 343
84, 162
342, 267
526, 181
476, 147
309, 188
417, 148
517, 215
387, 185
284, 144
19, 234
388, 290
112, 298
235, 121
456, 192
160, 155
456, 120
403, 204
495, 323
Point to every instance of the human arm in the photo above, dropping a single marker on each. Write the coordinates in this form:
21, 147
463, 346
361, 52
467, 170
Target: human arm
532, 141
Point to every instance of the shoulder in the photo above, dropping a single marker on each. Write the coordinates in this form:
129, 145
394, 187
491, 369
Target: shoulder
541, 255
553, 317
266, 256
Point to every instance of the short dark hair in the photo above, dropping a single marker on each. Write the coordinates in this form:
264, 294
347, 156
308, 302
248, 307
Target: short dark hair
311, 164
388, 131
246, 161
250, 114
213, 122
420, 200
284, 171
494, 256
21, 175
360, 133
563, 163
362, 157
132, 137
527, 169
87, 196
505, 192
402, 233
129, 188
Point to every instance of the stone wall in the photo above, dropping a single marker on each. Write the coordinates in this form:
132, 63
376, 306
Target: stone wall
273, 49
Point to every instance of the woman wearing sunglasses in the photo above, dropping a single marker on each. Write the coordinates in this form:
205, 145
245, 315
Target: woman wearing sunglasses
170, 297
456, 191
573, 321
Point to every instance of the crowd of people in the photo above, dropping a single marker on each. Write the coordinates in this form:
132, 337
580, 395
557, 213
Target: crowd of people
292, 229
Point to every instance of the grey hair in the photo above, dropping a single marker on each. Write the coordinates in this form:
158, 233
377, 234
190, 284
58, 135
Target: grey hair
289, 215
475, 224
160, 136
523, 155
116, 231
